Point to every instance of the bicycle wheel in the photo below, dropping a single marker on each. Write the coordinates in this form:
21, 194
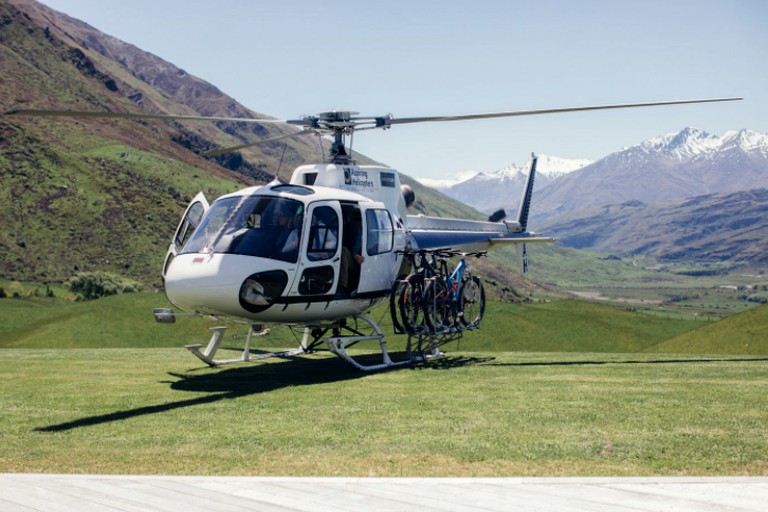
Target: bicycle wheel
411, 305
472, 302
394, 310
440, 311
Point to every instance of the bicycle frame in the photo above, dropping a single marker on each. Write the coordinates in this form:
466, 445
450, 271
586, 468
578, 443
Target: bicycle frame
430, 300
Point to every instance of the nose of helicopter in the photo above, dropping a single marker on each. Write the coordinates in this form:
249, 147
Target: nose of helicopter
224, 284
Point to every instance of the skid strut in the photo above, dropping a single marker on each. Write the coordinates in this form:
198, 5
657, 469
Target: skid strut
209, 353
339, 343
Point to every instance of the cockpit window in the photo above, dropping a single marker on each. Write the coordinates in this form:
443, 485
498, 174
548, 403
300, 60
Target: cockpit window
268, 227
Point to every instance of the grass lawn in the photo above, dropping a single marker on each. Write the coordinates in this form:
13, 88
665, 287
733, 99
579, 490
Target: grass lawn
156, 411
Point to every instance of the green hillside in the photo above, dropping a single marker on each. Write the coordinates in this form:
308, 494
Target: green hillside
727, 227
112, 322
744, 333
125, 321
98, 194
571, 326
104, 207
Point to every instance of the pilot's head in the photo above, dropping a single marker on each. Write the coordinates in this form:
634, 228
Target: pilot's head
284, 214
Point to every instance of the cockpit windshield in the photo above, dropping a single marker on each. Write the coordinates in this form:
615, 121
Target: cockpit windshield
268, 227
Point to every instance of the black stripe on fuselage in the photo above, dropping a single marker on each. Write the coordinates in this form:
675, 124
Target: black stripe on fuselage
308, 299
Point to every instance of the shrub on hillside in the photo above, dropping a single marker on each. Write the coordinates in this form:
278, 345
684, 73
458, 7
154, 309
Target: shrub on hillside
94, 285
16, 290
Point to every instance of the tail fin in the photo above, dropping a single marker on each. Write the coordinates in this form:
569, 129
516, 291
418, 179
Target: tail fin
525, 203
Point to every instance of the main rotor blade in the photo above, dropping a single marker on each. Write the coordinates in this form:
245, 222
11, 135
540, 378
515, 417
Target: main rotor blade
491, 115
217, 152
121, 115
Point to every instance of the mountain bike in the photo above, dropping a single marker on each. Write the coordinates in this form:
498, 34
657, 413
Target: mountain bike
431, 301
415, 295
459, 299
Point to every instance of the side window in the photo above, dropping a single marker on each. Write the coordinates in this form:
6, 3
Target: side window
323, 234
379, 230
316, 280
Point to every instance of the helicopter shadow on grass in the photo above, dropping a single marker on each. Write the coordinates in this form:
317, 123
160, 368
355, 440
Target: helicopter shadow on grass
228, 383
449, 362
252, 379
245, 380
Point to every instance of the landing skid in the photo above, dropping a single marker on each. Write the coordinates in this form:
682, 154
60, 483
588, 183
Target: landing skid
421, 347
209, 353
339, 343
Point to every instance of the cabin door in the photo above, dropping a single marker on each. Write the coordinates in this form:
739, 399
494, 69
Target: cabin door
320, 254
187, 226
382, 239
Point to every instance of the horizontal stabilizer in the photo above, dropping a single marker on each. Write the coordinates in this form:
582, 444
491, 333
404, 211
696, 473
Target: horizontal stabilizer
522, 240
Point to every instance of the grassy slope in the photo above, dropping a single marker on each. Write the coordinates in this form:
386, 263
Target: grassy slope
559, 326
745, 333
571, 326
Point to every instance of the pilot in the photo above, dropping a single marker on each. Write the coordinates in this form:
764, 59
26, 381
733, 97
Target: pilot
286, 234
290, 248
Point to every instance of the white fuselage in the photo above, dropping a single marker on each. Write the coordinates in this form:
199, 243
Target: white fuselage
281, 252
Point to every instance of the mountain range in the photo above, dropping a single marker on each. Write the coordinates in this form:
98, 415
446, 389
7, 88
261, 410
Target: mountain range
675, 166
727, 227
688, 195
685, 164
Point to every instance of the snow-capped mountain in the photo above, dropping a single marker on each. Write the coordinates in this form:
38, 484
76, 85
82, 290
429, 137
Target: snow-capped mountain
692, 143
684, 164
503, 188
686, 195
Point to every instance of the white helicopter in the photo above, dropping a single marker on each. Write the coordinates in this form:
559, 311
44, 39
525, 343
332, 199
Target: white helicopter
323, 249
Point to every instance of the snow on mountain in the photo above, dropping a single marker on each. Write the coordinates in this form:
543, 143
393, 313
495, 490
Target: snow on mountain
692, 142
442, 184
746, 140
550, 166
688, 163
682, 145
555, 167
678, 165
503, 188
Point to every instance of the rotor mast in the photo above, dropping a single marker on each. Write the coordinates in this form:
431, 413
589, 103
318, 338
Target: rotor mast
337, 123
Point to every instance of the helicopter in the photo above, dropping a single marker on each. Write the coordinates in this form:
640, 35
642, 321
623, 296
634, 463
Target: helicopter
321, 250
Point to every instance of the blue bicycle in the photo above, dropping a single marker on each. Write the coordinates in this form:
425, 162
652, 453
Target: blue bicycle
459, 299
430, 301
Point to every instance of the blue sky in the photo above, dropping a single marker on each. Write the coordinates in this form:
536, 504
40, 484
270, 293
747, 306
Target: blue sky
412, 58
